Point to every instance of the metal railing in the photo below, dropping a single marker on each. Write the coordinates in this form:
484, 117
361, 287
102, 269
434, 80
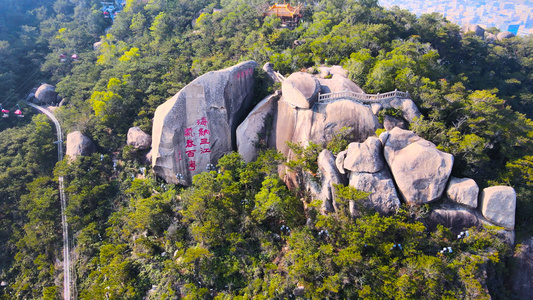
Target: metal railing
362, 97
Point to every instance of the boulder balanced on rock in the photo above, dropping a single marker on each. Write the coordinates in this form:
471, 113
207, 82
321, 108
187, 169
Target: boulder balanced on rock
196, 127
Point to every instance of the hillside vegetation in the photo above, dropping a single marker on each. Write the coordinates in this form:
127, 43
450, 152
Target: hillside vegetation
240, 232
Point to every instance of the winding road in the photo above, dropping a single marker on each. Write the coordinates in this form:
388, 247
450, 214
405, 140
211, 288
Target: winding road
67, 278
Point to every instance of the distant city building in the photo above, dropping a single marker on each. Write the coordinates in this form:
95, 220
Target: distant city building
515, 16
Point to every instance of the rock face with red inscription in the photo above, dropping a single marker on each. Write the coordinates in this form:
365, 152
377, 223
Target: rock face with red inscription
196, 127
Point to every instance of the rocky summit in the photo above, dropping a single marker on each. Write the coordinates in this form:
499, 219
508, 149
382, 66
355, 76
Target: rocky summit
213, 115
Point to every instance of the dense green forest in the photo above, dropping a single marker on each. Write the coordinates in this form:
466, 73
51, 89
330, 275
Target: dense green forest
240, 233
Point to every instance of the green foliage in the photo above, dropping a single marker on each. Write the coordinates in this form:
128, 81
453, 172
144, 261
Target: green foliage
239, 233
340, 140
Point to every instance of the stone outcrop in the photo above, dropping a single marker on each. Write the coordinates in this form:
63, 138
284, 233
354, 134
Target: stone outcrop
463, 191
79, 145
339, 161
320, 124
197, 126
498, 205
46, 94
256, 129
369, 174
383, 197
326, 72
97, 45
409, 109
419, 169
301, 90
389, 122
490, 37
329, 175
138, 138
476, 29
504, 35
364, 157
521, 275
269, 69
338, 83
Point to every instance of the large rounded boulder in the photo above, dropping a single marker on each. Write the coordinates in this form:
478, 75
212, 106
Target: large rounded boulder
463, 191
420, 171
138, 138
46, 94
301, 90
498, 205
79, 145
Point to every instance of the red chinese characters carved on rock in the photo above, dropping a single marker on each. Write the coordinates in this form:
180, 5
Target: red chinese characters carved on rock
204, 132
243, 74
192, 165
190, 153
190, 144
188, 132
202, 122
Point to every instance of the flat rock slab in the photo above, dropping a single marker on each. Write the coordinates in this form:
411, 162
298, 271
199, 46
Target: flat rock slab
498, 205
463, 191
420, 171
197, 126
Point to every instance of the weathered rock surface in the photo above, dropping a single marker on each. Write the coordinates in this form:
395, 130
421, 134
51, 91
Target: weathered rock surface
389, 122
504, 35
97, 45
498, 205
364, 157
46, 94
476, 29
138, 138
148, 158
463, 191
320, 124
338, 83
490, 37
407, 106
269, 69
79, 145
256, 128
376, 107
456, 219
301, 90
383, 195
333, 70
339, 161
419, 169
197, 126
521, 276
330, 175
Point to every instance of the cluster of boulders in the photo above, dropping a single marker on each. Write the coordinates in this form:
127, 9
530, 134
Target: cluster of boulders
213, 115
479, 31
400, 166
